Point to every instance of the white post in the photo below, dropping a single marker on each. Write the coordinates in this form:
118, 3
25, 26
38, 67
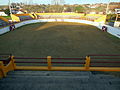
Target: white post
10, 7
107, 9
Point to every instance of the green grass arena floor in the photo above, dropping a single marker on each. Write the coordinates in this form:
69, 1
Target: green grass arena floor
58, 39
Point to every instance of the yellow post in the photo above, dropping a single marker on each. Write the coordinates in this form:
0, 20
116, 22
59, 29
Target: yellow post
2, 72
49, 62
13, 60
87, 62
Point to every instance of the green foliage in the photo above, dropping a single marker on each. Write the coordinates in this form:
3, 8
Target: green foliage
100, 9
44, 8
7, 11
111, 17
56, 8
68, 9
80, 9
7, 17
62, 8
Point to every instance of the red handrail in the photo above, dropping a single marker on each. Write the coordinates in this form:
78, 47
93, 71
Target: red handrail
105, 58
70, 58
69, 62
102, 55
27, 58
104, 66
105, 62
51, 58
28, 62
51, 62
92, 62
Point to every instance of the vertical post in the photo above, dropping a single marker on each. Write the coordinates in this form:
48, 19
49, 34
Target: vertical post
13, 60
107, 9
87, 62
2, 72
116, 17
49, 62
10, 7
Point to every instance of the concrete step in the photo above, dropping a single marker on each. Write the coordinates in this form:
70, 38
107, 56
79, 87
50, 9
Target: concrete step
49, 73
103, 76
58, 80
57, 86
45, 79
65, 74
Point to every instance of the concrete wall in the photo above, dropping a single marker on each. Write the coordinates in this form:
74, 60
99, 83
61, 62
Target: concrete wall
111, 30
117, 24
4, 30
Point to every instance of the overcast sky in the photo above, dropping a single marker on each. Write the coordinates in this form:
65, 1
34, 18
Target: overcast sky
5, 2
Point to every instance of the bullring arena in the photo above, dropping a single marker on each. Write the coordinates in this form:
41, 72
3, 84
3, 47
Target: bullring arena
56, 47
42, 35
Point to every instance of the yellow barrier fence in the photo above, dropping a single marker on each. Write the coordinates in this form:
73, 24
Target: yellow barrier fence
4, 69
4, 19
21, 17
15, 18
87, 64
89, 17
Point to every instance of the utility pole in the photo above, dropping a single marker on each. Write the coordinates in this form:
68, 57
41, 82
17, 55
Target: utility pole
57, 2
107, 9
10, 7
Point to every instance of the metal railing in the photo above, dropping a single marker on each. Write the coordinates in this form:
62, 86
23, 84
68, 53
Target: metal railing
88, 63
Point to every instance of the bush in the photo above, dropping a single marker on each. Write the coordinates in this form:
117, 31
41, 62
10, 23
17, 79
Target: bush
7, 11
111, 16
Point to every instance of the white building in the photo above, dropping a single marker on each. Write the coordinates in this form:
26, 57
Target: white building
2, 13
117, 11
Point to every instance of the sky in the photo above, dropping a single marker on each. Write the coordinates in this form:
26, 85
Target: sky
5, 2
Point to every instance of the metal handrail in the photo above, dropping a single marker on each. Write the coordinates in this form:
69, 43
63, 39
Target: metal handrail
89, 64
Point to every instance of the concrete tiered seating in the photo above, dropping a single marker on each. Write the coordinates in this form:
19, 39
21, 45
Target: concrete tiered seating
23, 18
58, 16
92, 18
3, 23
58, 80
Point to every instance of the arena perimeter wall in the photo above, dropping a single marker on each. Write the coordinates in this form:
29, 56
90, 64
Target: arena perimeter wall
112, 30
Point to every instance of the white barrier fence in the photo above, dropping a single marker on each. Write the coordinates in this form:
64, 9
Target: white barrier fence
4, 30
111, 30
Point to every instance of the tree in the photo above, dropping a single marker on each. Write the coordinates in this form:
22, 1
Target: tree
100, 9
56, 8
7, 11
80, 9
68, 9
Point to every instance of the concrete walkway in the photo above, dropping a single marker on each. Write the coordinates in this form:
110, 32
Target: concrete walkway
58, 80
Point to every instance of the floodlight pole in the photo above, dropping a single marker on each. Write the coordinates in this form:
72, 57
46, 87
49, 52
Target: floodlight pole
10, 7
107, 7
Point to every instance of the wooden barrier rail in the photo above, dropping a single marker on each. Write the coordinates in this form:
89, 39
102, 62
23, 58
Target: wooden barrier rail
11, 65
